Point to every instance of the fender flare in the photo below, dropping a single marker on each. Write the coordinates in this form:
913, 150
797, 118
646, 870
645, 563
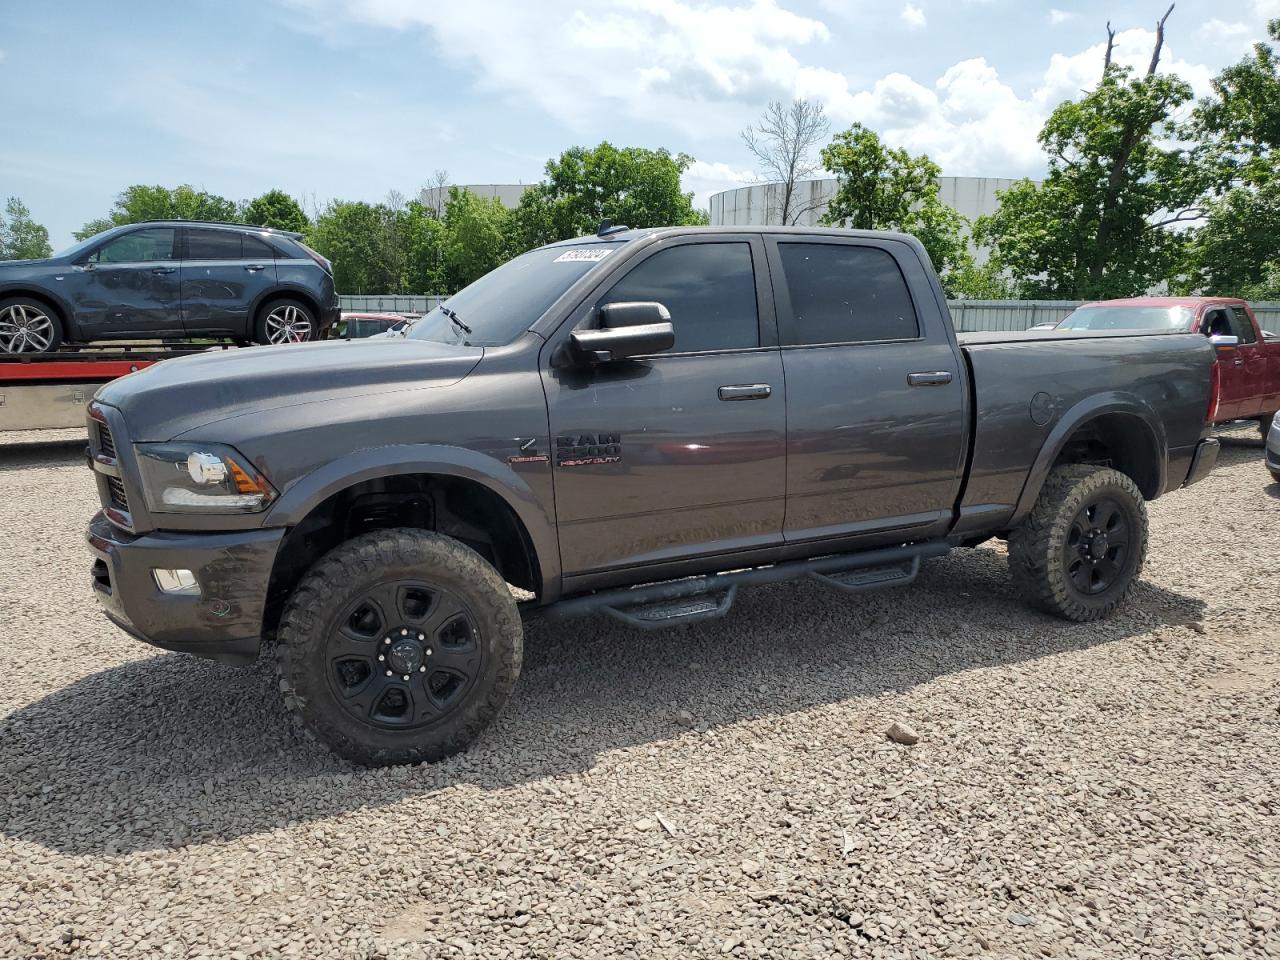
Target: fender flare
1091, 408
307, 493
18, 288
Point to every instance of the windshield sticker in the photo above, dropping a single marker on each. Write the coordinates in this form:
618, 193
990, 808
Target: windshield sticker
582, 256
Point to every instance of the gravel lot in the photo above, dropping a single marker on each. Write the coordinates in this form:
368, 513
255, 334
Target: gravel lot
1110, 790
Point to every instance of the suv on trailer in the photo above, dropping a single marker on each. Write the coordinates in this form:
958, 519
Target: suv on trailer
169, 279
637, 423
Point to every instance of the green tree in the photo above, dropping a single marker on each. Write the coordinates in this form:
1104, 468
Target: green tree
886, 188
1238, 131
141, 202
353, 235
423, 238
586, 185
1100, 224
476, 237
277, 209
21, 238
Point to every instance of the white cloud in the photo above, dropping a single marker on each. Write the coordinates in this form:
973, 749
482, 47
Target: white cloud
1227, 34
704, 72
1058, 17
705, 178
1266, 9
913, 16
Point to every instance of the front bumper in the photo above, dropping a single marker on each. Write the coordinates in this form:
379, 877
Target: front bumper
232, 568
1273, 448
1202, 461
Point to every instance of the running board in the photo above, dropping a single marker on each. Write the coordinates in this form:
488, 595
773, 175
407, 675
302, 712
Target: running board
871, 578
694, 599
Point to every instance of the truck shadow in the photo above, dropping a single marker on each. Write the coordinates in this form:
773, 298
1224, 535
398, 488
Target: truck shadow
169, 751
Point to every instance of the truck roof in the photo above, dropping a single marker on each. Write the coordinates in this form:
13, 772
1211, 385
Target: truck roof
630, 234
1163, 301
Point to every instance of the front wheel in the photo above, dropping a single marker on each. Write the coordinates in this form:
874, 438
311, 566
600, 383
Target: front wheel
28, 326
285, 321
1080, 550
399, 646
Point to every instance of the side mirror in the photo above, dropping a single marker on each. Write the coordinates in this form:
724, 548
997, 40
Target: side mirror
633, 329
1224, 345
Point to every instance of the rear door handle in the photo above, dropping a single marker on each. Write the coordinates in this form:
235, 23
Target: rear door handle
746, 391
933, 378
162, 270
256, 267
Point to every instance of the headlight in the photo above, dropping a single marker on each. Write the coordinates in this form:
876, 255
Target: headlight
200, 478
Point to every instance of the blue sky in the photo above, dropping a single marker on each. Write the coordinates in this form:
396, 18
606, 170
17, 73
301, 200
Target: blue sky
353, 98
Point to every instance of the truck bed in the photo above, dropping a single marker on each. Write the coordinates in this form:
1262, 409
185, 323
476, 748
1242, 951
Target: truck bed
1029, 388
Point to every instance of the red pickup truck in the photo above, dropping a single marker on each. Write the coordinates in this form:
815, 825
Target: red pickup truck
1249, 375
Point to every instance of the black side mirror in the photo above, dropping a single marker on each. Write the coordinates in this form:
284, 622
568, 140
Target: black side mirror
633, 329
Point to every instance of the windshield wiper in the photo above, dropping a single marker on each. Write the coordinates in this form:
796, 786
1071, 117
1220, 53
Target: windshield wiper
455, 319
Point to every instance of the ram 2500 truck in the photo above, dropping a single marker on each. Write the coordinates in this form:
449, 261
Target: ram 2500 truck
638, 423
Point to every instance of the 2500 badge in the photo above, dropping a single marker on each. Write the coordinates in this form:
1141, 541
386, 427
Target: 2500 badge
580, 450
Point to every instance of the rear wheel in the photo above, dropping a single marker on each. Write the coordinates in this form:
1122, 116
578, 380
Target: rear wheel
399, 646
28, 326
1264, 425
286, 321
1081, 549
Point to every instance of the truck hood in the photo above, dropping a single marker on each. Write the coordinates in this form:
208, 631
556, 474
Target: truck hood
174, 396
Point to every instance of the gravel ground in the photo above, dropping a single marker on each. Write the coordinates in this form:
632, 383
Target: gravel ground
1107, 790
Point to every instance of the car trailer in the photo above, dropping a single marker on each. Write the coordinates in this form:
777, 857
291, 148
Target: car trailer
42, 391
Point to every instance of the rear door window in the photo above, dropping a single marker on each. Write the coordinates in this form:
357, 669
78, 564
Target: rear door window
709, 289
213, 245
844, 293
255, 248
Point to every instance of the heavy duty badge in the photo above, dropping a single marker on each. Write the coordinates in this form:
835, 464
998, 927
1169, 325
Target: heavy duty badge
580, 450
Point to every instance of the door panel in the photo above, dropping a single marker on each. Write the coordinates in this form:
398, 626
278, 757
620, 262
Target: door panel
129, 287
866, 451
650, 464
652, 461
221, 284
875, 425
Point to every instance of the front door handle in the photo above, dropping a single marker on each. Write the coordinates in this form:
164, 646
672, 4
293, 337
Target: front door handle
159, 271
256, 267
746, 391
934, 378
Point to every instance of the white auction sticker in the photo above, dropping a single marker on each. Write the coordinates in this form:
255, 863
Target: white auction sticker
582, 256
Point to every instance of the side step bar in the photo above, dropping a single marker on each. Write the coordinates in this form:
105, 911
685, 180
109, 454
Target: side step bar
694, 599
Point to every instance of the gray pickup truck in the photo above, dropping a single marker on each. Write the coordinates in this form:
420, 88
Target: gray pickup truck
635, 423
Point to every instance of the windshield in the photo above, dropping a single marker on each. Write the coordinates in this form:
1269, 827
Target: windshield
506, 302
1128, 318
78, 248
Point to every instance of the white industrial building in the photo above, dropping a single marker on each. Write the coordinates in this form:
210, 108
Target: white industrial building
761, 203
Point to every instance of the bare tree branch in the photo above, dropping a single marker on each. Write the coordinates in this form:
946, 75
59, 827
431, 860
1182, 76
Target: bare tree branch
1111, 46
783, 143
1155, 53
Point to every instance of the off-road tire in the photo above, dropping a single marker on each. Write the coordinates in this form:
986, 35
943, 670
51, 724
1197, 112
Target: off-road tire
1036, 548
340, 578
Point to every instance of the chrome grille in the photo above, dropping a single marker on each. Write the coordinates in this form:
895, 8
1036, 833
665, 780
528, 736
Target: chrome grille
119, 499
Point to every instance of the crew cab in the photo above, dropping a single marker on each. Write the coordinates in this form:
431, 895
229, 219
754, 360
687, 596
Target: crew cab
1249, 374
637, 423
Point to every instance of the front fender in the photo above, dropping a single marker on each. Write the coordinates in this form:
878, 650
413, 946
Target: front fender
1091, 408
307, 493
